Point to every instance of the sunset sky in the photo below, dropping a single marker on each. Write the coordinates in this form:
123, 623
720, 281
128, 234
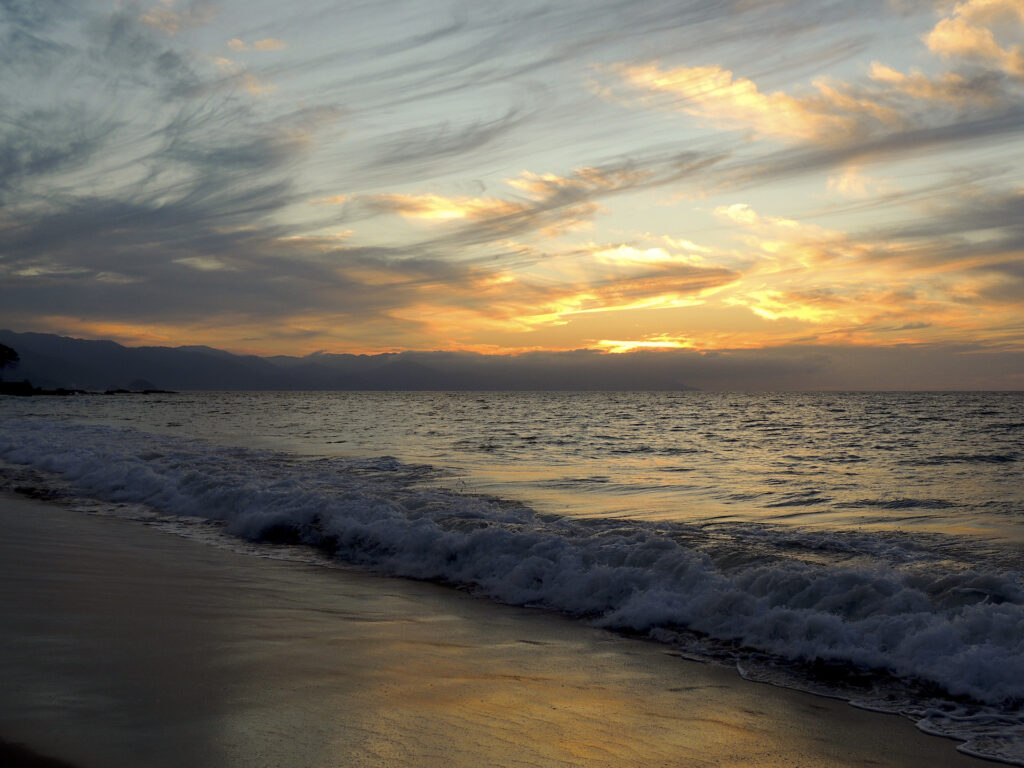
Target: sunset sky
511, 176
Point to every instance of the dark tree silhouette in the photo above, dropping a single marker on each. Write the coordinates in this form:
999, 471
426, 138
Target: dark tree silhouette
8, 357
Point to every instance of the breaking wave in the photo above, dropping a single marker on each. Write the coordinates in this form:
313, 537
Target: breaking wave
926, 614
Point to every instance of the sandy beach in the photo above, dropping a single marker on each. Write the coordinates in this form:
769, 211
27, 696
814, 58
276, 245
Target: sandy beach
124, 645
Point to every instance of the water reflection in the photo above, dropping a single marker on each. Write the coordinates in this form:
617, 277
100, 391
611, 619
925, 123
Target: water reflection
927, 461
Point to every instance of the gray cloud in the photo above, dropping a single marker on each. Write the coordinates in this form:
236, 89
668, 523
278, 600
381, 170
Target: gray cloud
208, 251
134, 54
26, 47
34, 14
27, 54
105, 266
945, 230
967, 213
39, 142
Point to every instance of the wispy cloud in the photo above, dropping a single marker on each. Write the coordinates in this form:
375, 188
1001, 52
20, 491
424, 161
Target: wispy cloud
618, 174
547, 204
420, 151
41, 142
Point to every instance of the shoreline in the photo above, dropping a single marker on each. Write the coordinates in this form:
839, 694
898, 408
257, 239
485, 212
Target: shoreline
124, 644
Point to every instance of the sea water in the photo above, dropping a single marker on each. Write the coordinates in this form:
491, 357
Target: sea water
862, 545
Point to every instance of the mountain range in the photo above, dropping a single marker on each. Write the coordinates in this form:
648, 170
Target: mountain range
49, 361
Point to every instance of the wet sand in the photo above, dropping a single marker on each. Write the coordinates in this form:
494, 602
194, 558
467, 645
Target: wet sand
124, 645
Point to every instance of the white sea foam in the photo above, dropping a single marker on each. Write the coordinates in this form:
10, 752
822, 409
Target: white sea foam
900, 609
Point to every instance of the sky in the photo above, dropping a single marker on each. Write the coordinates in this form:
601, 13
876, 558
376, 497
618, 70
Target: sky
611, 175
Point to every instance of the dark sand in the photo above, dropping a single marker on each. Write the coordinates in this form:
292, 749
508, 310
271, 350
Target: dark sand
121, 645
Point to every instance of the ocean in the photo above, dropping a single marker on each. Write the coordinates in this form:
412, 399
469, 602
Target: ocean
864, 546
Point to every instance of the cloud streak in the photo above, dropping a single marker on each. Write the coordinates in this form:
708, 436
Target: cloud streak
612, 175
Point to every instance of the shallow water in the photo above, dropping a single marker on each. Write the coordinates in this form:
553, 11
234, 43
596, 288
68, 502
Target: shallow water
946, 462
861, 545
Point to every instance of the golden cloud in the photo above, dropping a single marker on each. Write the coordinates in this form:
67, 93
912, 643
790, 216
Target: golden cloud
779, 244
949, 87
570, 285
584, 181
853, 183
269, 44
440, 208
970, 32
714, 93
810, 306
833, 111
659, 341
704, 341
850, 291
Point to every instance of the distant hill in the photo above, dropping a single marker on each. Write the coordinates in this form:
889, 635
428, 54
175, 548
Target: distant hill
50, 361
